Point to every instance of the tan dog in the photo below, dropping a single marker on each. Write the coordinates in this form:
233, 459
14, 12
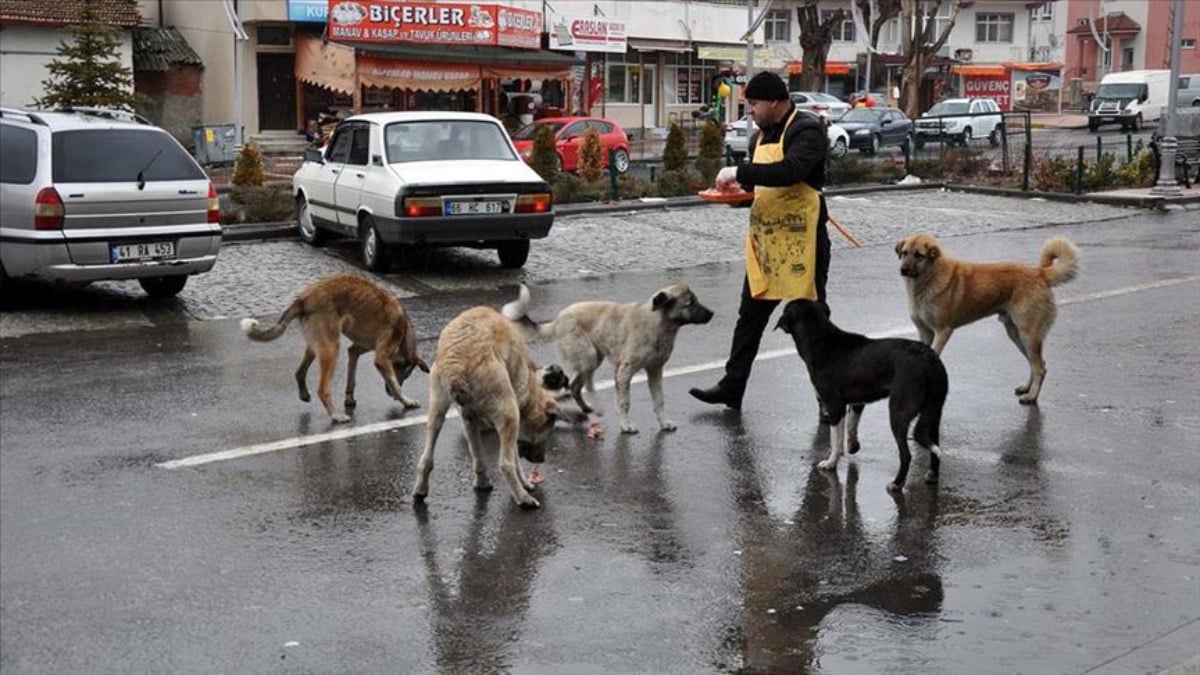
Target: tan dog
483, 366
373, 319
636, 336
945, 293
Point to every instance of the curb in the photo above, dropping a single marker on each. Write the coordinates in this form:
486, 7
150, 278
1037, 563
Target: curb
1147, 202
287, 229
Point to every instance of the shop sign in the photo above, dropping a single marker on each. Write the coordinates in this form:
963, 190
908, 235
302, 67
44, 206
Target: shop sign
588, 34
1036, 89
433, 23
982, 86
308, 11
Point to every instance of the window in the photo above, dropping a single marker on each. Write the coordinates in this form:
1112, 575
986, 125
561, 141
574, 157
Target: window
18, 162
778, 26
1108, 53
844, 32
274, 35
993, 27
934, 24
1043, 13
360, 146
574, 130
1127, 58
688, 81
1187, 43
119, 155
339, 147
891, 33
629, 82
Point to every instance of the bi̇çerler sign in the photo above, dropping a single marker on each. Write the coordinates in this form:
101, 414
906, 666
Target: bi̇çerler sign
434, 23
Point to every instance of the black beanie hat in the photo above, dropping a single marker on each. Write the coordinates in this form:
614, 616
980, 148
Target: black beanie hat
766, 86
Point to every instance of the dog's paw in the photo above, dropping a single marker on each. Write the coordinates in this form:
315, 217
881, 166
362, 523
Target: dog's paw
305, 396
895, 488
1022, 389
350, 404
410, 403
668, 425
482, 485
854, 448
931, 478
340, 418
828, 465
1028, 400
629, 429
529, 503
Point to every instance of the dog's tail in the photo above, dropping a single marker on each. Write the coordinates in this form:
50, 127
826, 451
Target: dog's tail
253, 330
1059, 261
927, 431
517, 312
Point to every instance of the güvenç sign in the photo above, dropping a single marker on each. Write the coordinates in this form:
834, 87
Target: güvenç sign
590, 34
433, 23
985, 86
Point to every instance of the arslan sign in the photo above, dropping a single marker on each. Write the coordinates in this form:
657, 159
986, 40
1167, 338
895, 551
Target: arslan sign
590, 34
434, 23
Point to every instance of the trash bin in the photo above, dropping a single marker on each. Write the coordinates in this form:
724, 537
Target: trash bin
215, 144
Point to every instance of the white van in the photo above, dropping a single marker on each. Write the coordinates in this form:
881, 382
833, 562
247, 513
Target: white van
1130, 98
1189, 91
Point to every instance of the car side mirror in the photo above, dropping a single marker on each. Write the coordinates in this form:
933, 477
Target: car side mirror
885, 123
377, 160
314, 155
1143, 98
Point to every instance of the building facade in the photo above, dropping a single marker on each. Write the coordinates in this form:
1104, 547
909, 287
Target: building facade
1135, 35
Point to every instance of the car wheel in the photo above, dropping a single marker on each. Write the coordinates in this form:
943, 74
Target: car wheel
1093, 126
374, 251
994, 137
965, 138
1137, 122
513, 254
906, 147
309, 232
3, 279
874, 150
163, 287
621, 160
839, 148
920, 142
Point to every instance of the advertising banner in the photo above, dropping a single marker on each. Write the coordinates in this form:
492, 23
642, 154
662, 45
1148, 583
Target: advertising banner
986, 86
308, 11
1035, 89
588, 34
443, 23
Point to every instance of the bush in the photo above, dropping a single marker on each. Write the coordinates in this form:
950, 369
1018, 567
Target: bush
954, 164
1141, 171
260, 204
850, 170
569, 188
545, 157
679, 183
591, 156
711, 156
675, 152
248, 167
632, 187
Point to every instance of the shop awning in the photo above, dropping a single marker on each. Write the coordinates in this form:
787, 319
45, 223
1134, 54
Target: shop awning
1036, 67
481, 55
644, 45
831, 67
327, 65
979, 71
376, 71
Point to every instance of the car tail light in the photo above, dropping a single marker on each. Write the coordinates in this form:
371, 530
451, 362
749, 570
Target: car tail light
419, 207
537, 203
726, 128
214, 204
820, 106
48, 211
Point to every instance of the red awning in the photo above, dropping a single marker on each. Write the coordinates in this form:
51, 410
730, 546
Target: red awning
831, 67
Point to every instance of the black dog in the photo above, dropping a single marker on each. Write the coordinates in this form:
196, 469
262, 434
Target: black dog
852, 370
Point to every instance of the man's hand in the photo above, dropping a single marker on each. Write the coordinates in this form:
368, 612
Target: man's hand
727, 178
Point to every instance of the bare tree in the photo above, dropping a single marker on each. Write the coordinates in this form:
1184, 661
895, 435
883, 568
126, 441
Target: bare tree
921, 45
885, 11
815, 38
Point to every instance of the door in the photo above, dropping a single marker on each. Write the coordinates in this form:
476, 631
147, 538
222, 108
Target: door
320, 187
569, 140
347, 191
649, 86
276, 92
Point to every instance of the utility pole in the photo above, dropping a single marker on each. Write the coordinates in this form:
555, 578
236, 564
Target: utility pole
1167, 184
749, 39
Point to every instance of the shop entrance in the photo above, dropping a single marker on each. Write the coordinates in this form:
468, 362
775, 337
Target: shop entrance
276, 92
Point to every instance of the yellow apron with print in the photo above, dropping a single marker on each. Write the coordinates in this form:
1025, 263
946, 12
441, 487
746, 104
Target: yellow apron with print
781, 244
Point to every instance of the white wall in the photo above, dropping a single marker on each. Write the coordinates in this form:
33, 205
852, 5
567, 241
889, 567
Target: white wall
25, 51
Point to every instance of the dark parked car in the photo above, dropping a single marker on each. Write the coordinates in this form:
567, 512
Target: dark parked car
872, 128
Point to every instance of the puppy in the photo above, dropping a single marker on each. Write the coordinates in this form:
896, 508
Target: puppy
635, 336
370, 316
945, 293
848, 369
482, 365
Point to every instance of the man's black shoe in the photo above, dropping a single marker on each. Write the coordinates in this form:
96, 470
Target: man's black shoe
717, 395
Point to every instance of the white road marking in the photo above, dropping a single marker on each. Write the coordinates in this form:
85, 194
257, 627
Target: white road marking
380, 427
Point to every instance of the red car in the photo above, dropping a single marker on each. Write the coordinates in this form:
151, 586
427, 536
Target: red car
568, 134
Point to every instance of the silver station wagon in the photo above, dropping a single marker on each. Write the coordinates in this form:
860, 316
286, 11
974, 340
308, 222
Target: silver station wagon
90, 194
395, 181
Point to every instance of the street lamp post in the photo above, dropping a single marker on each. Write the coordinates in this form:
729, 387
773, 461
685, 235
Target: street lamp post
1168, 145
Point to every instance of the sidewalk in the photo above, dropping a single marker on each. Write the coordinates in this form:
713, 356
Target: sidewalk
1056, 121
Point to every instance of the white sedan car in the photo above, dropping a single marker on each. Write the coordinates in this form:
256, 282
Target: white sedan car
397, 180
737, 136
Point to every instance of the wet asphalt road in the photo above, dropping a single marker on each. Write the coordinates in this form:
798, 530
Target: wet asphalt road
1062, 538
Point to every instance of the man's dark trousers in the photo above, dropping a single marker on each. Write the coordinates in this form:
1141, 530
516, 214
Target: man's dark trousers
753, 316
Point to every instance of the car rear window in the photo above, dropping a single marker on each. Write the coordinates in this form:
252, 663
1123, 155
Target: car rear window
445, 140
18, 160
119, 155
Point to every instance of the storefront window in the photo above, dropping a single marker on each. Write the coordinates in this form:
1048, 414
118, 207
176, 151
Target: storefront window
688, 81
616, 84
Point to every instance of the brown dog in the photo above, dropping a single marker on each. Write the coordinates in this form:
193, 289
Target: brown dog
945, 293
373, 319
483, 366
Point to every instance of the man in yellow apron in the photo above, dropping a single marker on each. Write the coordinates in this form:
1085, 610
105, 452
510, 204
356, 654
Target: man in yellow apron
787, 244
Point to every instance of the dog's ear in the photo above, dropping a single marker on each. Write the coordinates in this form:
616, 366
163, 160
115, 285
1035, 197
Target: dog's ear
553, 378
900, 247
661, 300
933, 251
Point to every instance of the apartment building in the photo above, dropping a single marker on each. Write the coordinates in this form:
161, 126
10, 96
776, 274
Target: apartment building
1104, 36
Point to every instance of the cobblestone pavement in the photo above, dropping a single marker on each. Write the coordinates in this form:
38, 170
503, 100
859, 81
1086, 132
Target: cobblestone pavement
261, 278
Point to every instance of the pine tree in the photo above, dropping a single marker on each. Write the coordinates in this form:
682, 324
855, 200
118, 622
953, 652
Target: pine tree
709, 159
88, 71
675, 152
545, 157
591, 156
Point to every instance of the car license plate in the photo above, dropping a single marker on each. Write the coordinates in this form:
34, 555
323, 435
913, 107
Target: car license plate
473, 208
154, 250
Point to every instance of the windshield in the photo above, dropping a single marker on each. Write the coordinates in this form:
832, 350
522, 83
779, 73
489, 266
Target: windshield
860, 115
445, 139
1128, 90
826, 98
949, 108
527, 132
